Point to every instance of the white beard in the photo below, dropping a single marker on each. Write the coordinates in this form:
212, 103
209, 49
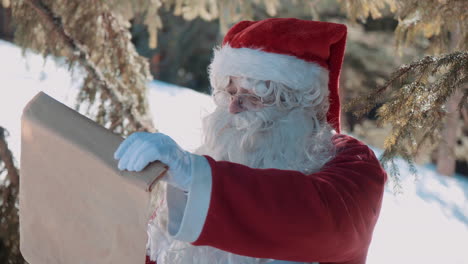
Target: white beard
270, 138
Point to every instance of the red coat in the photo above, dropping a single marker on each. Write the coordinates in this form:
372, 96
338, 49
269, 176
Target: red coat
325, 217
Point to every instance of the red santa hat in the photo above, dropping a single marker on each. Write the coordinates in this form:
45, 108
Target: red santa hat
296, 53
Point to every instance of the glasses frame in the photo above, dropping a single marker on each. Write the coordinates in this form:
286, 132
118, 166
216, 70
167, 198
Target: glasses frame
259, 102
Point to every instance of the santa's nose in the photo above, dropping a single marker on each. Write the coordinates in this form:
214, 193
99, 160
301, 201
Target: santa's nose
235, 106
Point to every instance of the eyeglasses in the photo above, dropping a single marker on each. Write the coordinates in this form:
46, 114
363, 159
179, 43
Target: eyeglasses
246, 100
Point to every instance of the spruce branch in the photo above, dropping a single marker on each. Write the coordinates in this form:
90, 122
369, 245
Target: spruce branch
405, 72
434, 20
7, 158
9, 189
416, 109
111, 91
361, 9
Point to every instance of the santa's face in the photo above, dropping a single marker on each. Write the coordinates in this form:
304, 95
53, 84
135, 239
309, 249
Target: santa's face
252, 126
241, 94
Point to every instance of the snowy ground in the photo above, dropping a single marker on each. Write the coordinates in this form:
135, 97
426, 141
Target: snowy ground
427, 224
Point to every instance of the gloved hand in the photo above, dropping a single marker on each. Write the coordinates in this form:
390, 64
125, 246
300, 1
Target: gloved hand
141, 148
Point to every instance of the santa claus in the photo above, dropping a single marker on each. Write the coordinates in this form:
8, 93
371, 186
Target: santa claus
274, 180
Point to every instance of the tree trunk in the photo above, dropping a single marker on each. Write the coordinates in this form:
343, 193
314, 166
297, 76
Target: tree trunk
6, 25
446, 153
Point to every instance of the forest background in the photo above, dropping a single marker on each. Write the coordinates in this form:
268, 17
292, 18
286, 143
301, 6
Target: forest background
403, 81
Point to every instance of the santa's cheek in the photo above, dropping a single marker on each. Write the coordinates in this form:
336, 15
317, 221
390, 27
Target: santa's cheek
234, 107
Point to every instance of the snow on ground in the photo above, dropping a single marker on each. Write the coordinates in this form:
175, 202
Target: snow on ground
178, 111
427, 224
23, 77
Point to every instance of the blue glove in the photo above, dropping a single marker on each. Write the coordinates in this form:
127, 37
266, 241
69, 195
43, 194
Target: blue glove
141, 148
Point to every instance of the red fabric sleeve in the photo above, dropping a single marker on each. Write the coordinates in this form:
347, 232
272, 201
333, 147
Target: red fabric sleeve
328, 216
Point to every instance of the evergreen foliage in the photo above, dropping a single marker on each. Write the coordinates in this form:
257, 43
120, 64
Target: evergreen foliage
9, 222
415, 107
361, 9
435, 20
92, 35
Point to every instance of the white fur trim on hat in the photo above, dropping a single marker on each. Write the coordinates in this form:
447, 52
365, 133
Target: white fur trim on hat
291, 71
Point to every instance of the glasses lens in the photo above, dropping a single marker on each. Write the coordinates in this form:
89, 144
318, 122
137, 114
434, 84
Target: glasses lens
221, 98
247, 101
251, 101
